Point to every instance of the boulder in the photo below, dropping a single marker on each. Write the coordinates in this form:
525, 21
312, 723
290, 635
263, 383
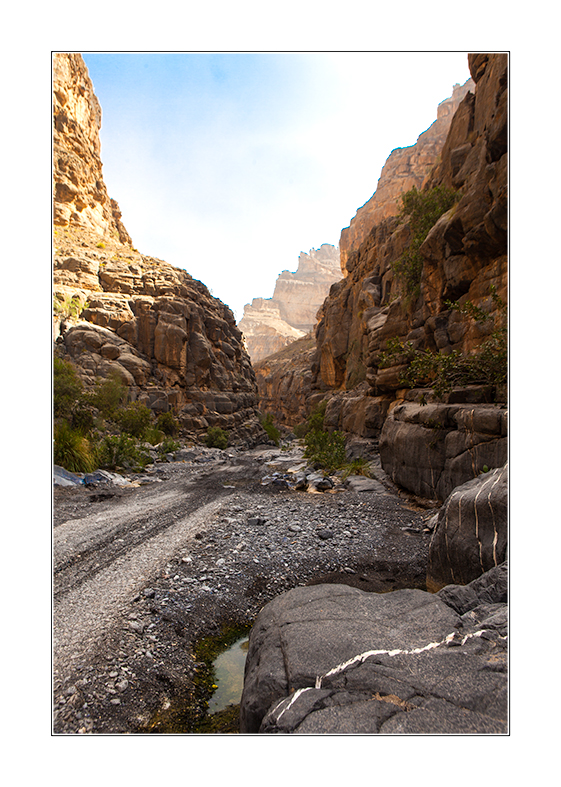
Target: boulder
331, 659
470, 536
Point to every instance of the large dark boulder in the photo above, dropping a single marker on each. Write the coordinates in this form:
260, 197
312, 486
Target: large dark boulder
331, 659
470, 536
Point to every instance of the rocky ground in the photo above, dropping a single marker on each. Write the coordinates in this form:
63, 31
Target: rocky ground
142, 572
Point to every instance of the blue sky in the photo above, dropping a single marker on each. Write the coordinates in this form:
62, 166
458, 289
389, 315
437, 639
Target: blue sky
230, 165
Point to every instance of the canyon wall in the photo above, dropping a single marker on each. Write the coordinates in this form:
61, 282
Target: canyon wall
404, 169
269, 324
464, 269
117, 311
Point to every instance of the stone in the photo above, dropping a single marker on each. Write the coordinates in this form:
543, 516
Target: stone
330, 659
470, 536
62, 477
360, 483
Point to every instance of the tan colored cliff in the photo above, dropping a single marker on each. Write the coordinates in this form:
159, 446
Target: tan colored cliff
269, 324
464, 257
119, 311
404, 169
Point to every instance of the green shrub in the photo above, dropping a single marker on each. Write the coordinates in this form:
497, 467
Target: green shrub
71, 306
109, 394
82, 418
326, 449
359, 466
423, 209
486, 365
72, 450
121, 451
168, 446
133, 419
270, 428
67, 387
168, 424
153, 435
300, 430
323, 448
216, 438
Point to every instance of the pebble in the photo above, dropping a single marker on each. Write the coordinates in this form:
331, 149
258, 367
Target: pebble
325, 534
295, 528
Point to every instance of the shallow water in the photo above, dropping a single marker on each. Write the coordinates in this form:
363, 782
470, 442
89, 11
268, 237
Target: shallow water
229, 669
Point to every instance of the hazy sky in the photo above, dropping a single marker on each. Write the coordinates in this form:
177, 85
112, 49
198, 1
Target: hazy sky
230, 165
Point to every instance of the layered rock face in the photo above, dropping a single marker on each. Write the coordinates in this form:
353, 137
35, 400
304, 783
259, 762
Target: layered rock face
269, 324
119, 311
284, 381
464, 258
404, 169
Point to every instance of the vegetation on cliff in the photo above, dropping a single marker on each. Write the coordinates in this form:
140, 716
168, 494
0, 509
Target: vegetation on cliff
100, 428
421, 209
486, 365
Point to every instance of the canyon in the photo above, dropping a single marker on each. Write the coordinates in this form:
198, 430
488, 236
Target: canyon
149, 563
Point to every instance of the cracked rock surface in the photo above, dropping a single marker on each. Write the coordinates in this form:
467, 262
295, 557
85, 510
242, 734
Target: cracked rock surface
336, 660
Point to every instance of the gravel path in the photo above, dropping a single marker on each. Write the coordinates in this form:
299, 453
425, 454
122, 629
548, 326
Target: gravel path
140, 574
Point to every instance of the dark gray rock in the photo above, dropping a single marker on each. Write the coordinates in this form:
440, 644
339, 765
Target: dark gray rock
431, 449
470, 536
490, 588
331, 659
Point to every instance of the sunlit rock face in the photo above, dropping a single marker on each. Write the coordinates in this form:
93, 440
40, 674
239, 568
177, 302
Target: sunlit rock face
464, 262
404, 168
269, 324
119, 311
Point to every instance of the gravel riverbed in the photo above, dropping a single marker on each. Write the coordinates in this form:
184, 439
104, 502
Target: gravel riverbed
143, 572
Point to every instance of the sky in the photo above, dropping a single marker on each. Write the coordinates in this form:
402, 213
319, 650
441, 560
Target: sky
229, 165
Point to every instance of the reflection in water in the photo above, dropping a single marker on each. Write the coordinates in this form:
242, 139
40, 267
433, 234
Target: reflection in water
229, 669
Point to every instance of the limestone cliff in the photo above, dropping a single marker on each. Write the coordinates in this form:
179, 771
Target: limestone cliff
404, 169
463, 262
269, 324
117, 310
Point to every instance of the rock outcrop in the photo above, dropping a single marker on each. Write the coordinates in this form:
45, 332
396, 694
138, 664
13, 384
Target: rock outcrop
119, 311
470, 535
269, 324
433, 448
335, 659
404, 169
284, 381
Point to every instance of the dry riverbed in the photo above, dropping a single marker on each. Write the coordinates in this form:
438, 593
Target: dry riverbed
142, 573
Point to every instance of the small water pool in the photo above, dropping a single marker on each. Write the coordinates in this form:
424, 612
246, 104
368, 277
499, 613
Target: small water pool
229, 670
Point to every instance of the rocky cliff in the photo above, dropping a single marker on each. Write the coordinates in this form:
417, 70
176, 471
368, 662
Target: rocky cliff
119, 311
371, 327
404, 169
269, 324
